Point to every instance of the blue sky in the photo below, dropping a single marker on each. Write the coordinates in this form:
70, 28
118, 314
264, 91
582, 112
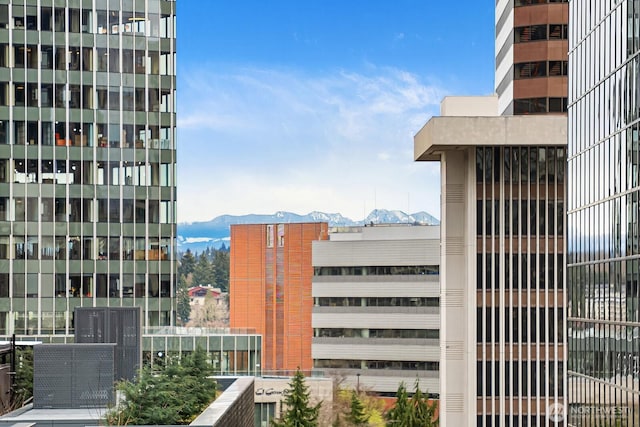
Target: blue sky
303, 105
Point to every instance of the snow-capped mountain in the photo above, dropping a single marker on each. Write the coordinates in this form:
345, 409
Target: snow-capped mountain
199, 235
383, 216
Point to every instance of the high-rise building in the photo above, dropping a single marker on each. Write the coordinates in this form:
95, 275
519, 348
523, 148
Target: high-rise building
376, 313
603, 240
501, 275
270, 289
87, 161
531, 56
502, 298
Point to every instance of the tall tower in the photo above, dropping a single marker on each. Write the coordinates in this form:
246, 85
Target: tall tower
531, 56
502, 239
270, 289
87, 161
503, 209
603, 240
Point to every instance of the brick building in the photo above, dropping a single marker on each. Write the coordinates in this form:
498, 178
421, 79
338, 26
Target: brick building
270, 289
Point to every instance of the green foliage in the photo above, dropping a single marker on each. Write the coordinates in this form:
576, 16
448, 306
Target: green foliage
424, 413
203, 271
183, 306
414, 412
175, 394
400, 414
23, 389
298, 412
221, 269
372, 407
357, 415
187, 264
211, 267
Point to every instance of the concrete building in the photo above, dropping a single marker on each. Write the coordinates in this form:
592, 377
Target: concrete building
501, 275
87, 161
603, 240
376, 307
270, 289
531, 56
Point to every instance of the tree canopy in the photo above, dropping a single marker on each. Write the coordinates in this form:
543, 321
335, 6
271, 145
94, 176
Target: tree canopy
211, 267
183, 306
171, 394
412, 412
357, 415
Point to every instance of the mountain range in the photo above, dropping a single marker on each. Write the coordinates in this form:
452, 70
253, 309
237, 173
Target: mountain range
197, 236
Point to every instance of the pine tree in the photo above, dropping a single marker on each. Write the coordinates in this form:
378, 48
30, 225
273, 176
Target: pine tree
187, 264
221, 269
400, 414
298, 412
357, 415
183, 307
414, 412
203, 271
173, 394
424, 414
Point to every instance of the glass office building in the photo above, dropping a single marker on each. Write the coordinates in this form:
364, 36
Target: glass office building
603, 201
87, 161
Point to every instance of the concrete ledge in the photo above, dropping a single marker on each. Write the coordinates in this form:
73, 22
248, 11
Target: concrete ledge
458, 133
229, 402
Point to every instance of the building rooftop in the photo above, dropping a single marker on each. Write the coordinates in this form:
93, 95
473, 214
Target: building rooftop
30, 415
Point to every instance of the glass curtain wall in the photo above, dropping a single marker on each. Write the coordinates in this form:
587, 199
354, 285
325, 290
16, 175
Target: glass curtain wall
87, 153
603, 251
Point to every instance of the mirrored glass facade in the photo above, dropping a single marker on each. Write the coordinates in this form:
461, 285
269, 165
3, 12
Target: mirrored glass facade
87, 161
603, 251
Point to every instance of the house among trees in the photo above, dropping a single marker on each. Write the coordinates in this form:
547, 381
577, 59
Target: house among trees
198, 294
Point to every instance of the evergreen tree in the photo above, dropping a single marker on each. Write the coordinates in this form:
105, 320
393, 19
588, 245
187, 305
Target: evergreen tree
221, 269
187, 264
424, 414
193, 384
183, 305
298, 412
400, 414
173, 394
414, 412
357, 415
203, 271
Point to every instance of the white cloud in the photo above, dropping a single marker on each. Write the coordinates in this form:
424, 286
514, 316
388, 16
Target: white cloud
197, 239
261, 140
